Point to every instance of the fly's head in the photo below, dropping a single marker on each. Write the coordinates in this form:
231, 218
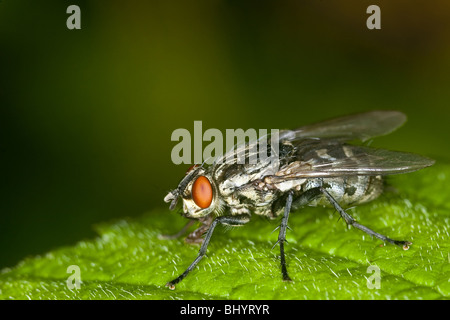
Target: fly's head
198, 192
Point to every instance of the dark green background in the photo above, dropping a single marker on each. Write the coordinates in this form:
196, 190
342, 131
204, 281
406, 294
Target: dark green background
87, 115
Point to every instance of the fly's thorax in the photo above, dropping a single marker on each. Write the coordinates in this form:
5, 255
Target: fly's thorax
350, 190
236, 186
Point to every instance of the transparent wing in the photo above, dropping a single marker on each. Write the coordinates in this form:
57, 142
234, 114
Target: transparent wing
361, 126
337, 160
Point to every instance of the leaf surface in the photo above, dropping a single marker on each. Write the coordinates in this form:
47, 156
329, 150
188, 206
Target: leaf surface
326, 259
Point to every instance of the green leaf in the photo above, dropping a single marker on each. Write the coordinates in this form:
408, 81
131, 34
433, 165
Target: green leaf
326, 259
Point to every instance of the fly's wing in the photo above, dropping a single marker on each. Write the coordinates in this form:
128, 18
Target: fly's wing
361, 126
244, 152
331, 159
320, 152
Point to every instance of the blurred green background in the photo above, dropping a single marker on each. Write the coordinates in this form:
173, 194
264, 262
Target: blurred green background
87, 115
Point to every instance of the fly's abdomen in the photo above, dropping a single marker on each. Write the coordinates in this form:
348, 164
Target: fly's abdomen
348, 191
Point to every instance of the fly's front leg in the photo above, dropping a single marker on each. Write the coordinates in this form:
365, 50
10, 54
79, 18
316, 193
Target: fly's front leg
196, 236
351, 221
237, 220
178, 234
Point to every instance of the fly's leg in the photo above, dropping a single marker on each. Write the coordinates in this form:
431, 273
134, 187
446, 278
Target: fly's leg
351, 221
237, 220
196, 236
282, 237
178, 234
302, 200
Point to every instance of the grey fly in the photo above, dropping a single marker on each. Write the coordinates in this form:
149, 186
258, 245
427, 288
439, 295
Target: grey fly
317, 166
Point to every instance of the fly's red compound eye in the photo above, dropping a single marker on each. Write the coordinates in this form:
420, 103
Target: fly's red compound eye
202, 192
191, 168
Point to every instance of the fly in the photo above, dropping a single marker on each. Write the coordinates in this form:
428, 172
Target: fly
317, 167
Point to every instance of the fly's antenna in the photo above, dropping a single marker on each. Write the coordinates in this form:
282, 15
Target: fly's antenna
174, 202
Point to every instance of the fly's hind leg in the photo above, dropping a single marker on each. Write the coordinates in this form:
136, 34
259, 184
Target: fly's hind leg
351, 221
